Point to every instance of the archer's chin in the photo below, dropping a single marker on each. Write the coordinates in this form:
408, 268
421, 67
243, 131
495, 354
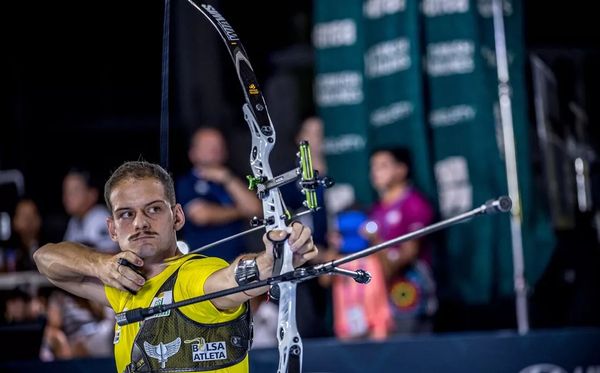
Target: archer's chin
143, 250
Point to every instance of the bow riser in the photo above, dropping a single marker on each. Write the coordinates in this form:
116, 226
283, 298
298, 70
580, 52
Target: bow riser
290, 343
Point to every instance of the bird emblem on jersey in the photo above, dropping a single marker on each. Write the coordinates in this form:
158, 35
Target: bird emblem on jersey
163, 351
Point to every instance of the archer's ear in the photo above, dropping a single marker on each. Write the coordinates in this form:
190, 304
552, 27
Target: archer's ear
111, 228
178, 217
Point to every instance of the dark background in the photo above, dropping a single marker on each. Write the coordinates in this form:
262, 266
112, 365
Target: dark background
83, 83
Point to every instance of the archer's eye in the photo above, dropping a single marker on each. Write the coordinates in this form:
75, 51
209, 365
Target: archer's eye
154, 209
125, 215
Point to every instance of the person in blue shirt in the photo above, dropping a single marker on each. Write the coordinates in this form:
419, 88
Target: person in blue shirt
215, 201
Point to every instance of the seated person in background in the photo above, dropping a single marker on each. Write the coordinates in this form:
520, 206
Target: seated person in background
26, 313
359, 310
25, 238
87, 222
86, 331
55, 345
87, 326
18, 307
214, 200
401, 209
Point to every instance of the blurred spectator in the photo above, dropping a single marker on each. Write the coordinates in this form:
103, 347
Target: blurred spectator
360, 310
27, 315
87, 223
25, 238
214, 200
18, 307
87, 326
400, 210
311, 130
54, 344
314, 311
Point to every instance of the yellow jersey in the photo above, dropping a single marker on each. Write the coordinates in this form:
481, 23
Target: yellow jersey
190, 283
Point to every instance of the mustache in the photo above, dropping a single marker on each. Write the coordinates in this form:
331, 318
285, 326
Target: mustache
137, 235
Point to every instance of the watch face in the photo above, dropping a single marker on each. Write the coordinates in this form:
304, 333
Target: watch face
249, 262
246, 271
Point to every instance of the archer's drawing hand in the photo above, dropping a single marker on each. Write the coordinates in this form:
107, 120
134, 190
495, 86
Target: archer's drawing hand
119, 271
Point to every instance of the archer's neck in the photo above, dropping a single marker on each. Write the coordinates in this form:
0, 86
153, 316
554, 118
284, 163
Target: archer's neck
156, 264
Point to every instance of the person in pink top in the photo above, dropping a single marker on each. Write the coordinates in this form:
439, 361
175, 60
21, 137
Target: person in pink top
401, 209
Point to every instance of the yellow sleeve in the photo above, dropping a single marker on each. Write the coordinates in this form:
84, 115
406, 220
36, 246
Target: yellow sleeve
190, 283
114, 297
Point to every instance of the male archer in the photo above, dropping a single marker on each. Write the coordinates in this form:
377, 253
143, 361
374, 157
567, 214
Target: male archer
144, 219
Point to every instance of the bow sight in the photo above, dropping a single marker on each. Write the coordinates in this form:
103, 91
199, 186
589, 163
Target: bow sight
308, 179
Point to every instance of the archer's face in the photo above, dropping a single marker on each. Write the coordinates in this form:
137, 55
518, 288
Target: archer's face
143, 221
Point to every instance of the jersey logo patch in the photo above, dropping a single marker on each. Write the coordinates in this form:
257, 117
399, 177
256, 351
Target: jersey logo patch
207, 351
163, 351
163, 298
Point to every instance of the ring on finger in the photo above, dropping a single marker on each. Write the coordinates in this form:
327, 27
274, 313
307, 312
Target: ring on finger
120, 262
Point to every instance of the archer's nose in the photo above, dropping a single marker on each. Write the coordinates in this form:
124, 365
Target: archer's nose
141, 222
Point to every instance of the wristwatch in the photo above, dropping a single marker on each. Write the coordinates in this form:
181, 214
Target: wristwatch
246, 271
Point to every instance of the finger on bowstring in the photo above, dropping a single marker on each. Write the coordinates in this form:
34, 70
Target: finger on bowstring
133, 275
122, 283
128, 267
127, 279
132, 258
130, 275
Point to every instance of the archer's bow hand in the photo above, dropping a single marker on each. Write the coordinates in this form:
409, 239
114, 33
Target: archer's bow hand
299, 238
